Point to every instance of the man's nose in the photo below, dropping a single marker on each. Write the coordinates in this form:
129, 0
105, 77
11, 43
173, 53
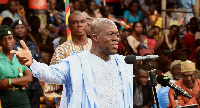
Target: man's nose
189, 78
80, 24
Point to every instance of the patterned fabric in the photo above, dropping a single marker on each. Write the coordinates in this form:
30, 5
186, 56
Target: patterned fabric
61, 17
109, 93
79, 77
64, 50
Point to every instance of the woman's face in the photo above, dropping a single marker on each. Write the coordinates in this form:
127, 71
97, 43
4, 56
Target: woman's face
157, 30
7, 43
138, 28
173, 31
92, 6
64, 32
151, 33
134, 7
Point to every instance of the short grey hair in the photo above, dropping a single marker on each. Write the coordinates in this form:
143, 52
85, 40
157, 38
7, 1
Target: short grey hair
98, 23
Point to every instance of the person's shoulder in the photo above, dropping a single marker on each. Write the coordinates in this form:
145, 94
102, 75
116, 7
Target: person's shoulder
126, 12
5, 12
65, 44
139, 11
79, 55
198, 80
30, 43
130, 37
1, 54
179, 82
119, 57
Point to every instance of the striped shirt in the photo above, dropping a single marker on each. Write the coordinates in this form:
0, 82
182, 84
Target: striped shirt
66, 49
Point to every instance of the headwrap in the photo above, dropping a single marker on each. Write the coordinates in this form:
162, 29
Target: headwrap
175, 62
61, 30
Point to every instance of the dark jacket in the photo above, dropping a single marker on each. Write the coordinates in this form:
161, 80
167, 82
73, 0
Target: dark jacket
148, 98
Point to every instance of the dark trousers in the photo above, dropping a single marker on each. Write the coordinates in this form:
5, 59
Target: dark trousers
34, 98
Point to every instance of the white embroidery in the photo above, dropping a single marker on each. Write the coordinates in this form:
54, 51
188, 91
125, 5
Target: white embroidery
108, 82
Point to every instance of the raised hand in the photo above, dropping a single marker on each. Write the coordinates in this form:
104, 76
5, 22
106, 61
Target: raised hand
24, 56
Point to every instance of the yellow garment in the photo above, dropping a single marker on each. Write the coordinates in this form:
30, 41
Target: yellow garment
158, 22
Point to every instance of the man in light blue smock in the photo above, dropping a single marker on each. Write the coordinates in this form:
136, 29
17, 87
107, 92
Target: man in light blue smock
98, 78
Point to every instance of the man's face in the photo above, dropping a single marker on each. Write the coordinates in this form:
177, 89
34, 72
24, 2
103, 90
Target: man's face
108, 39
19, 31
12, 6
142, 77
78, 25
176, 72
189, 79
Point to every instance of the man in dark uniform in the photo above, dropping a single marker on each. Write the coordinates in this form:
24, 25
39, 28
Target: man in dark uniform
34, 88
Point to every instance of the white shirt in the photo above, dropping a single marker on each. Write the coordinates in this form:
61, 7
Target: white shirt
7, 13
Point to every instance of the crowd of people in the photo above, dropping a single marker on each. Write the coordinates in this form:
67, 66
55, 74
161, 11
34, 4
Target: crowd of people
89, 70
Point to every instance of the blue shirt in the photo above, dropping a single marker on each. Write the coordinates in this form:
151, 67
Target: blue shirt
98, 2
185, 4
132, 19
31, 46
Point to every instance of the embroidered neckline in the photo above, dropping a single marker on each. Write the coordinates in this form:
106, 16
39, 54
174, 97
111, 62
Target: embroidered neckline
170, 46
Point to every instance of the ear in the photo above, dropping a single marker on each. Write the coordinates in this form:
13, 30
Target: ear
95, 37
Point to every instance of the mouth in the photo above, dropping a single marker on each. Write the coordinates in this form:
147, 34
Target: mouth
80, 30
115, 46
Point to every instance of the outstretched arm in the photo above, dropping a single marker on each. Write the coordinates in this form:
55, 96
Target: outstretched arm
56, 74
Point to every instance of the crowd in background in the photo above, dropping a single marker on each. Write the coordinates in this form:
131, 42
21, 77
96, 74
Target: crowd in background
140, 29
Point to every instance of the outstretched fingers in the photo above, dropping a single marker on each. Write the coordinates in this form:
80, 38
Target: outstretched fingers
24, 45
